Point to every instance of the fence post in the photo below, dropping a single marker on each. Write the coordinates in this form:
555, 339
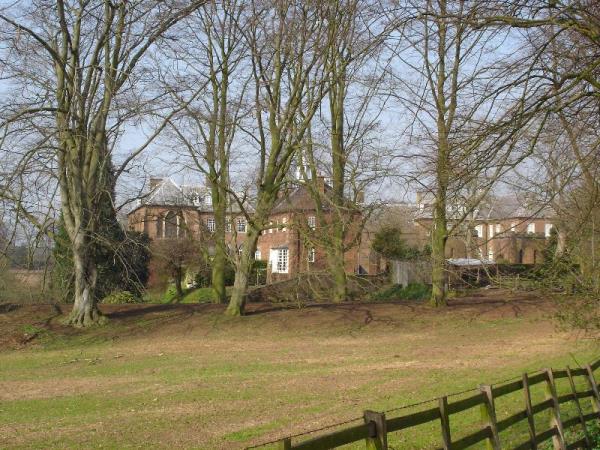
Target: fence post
445, 422
555, 422
377, 439
594, 388
488, 415
529, 409
578, 406
285, 444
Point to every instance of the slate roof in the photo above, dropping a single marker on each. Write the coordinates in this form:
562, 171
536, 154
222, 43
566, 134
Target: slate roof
498, 208
169, 193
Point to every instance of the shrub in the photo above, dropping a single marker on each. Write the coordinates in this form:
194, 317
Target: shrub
390, 243
414, 291
120, 298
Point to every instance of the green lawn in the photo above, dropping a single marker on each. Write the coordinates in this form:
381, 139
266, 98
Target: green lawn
188, 377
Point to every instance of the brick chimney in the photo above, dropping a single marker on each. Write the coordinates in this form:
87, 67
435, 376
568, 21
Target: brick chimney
360, 197
154, 181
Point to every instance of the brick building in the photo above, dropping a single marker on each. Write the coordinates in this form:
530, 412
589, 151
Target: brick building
504, 230
293, 243
171, 211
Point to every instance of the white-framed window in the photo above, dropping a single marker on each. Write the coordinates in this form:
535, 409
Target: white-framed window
479, 231
548, 229
208, 199
284, 222
490, 231
241, 225
227, 225
257, 255
513, 226
312, 222
210, 224
498, 228
531, 227
312, 255
279, 259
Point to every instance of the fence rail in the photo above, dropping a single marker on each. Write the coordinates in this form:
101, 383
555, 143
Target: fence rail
374, 431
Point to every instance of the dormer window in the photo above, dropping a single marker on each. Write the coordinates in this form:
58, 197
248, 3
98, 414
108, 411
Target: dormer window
208, 200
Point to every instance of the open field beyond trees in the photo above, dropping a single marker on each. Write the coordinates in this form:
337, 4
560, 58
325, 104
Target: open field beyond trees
186, 376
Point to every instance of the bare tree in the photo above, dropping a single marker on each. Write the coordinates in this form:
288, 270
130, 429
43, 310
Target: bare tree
347, 155
464, 126
288, 62
78, 60
214, 54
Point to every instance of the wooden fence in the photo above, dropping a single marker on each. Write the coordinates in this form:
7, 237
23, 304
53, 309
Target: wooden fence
374, 431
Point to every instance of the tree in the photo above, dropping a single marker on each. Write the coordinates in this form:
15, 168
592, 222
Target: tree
348, 157
213, 51
287, 62
80, 61
175, 257
465, 124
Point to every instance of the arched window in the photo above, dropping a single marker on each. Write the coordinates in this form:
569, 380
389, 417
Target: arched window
171, 225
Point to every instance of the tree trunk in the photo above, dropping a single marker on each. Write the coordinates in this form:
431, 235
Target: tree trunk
219, 264
438, 256
178, 281
242, 274
85, 311
338, 272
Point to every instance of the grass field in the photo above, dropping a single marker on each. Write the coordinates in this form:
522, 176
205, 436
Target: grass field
185, 376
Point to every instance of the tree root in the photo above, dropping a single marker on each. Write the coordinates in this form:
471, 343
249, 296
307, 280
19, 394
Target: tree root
86, 318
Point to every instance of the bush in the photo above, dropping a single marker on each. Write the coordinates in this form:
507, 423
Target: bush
414, 291
120, 298
390, 243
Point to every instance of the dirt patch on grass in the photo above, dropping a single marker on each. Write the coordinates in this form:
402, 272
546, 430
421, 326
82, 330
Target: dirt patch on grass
28, 325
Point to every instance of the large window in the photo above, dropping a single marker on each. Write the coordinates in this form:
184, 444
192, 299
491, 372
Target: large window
257, 255
279, 260
548, 229
490, 231
531, 227
210, 224
312, 222
241, 225
282, 260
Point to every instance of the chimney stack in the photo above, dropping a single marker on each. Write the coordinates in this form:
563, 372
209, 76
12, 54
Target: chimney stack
154, 181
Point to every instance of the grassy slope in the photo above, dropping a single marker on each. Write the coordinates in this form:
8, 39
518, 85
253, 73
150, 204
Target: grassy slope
186, 376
